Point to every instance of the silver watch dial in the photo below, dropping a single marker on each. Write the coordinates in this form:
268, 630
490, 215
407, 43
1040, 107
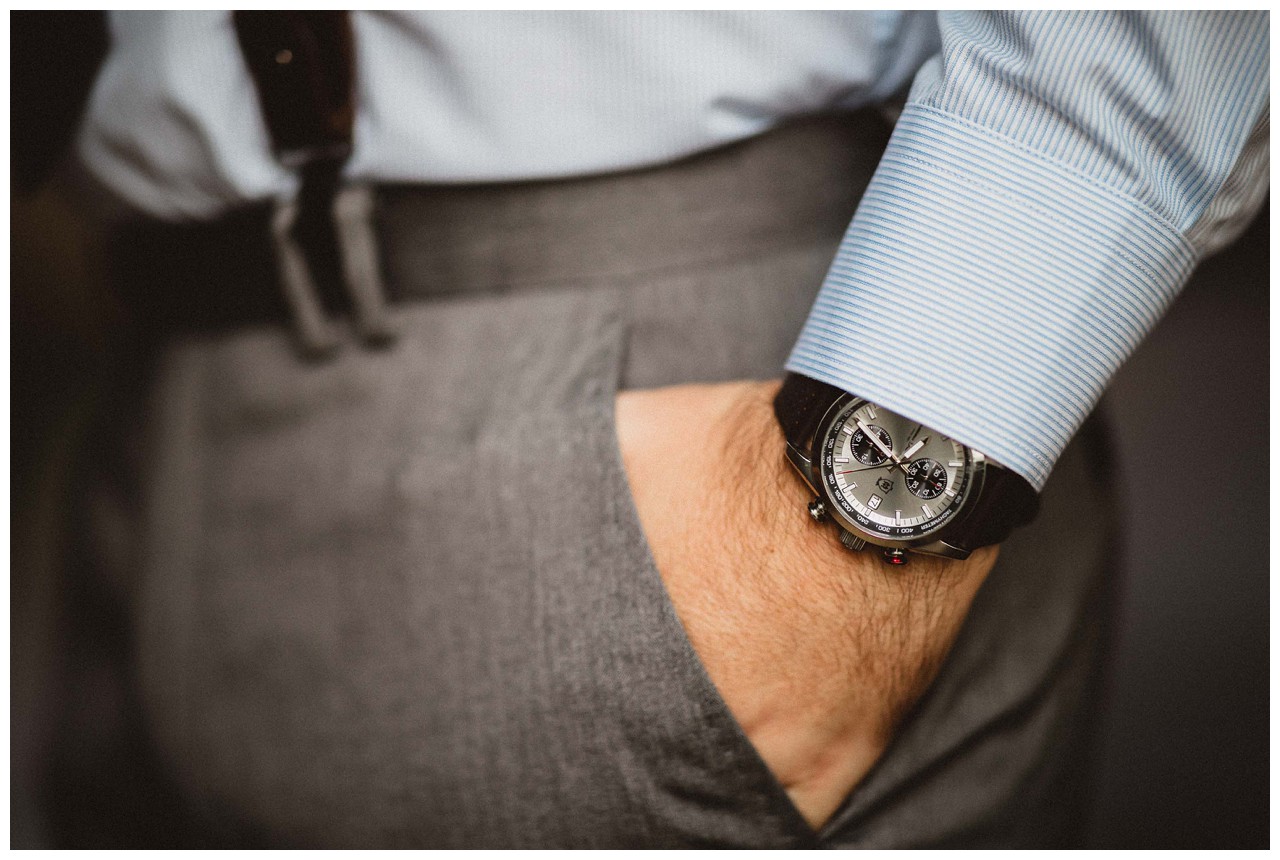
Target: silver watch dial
890, 477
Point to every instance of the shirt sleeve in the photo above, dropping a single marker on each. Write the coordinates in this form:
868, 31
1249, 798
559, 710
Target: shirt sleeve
1049, 188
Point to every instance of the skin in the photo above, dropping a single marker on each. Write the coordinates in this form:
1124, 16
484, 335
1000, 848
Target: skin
817, 651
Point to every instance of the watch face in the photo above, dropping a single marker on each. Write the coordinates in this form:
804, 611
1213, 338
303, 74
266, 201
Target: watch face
889, 477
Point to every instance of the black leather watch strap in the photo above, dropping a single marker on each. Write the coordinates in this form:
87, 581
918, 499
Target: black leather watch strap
1007, 500
800, 405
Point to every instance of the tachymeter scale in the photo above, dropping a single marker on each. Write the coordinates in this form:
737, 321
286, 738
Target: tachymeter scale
896, 497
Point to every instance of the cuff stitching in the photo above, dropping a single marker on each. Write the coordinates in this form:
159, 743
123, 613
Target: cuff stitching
1061, 167
1031, 207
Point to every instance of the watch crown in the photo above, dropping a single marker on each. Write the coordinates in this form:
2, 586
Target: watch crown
817, 510
851, 541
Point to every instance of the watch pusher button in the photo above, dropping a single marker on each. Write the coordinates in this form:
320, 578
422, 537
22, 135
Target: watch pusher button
818, 511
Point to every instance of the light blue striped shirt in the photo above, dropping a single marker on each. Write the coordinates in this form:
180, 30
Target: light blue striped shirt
1050, 185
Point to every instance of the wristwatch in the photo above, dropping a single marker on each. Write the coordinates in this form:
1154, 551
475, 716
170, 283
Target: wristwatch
893, 483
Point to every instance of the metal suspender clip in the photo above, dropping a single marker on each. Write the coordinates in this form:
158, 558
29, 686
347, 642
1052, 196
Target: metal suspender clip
303, 67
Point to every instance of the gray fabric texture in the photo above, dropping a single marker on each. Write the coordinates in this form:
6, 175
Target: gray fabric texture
404, 599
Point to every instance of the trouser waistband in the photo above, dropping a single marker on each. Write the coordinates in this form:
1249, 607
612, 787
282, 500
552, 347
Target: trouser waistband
792, 185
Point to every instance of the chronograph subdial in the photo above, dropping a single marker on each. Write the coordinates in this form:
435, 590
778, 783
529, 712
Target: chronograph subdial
926, 478
866, 451
888, 477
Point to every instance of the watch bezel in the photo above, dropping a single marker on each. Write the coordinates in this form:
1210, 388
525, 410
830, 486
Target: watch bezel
976, 473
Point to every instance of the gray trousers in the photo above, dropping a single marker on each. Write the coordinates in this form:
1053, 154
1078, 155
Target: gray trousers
403, 598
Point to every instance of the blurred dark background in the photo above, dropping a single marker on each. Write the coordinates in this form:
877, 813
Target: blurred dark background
1184, 758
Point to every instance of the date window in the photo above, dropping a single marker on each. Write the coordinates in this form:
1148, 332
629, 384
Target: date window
885, 485
873, 502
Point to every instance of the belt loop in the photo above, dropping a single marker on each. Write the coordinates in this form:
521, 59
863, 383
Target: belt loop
361, 269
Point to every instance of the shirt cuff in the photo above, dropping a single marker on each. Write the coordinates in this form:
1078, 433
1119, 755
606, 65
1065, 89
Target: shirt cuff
988, 291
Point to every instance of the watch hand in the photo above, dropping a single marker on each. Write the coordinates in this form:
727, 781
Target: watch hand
888, 465
885, 465
875, 439
911, 452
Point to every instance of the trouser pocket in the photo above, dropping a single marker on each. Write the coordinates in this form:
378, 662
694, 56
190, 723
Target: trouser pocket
405, 599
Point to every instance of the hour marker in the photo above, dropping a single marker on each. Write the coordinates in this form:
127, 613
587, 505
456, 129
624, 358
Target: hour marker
897, 515
842, 460
848, 429
949, 493
871, 411
955, 464
873, 502
928, 513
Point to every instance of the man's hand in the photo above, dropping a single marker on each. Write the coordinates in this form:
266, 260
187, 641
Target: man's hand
817, 651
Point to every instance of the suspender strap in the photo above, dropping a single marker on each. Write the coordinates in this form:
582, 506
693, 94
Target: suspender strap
303, 66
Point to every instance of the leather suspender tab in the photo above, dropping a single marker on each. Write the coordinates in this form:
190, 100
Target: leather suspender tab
303, 66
